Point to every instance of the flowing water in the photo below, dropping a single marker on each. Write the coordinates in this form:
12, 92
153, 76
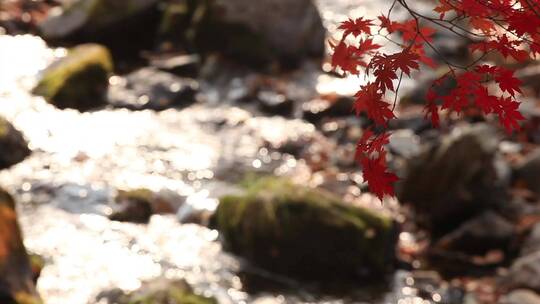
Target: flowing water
66, 187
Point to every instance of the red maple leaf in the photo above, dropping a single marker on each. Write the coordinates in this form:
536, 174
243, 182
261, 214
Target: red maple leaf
345, 57
380, 181
484, 101
474, 8
443, 7
419, 50
405, 61
508, 112
366, 47
524, 22
356, 27
504, 46
371, 143
510, 28
485, 25
369, 100
386, 23
431, 108
507, 81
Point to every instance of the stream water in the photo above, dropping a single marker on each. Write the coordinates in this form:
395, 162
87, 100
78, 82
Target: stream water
66, 187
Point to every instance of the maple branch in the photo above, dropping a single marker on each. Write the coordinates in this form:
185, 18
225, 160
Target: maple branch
415, 14
448, 63
391, 8
532, 8
396, 93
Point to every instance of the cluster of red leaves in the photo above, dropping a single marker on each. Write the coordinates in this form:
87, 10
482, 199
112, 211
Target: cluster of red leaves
510, 28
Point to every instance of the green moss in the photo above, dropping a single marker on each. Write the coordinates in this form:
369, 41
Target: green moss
140, 194
79, 80
4, 127
166, 292
24, 298
175, 19
293, 228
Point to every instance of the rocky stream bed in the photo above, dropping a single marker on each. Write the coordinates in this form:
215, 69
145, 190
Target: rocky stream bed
197, 180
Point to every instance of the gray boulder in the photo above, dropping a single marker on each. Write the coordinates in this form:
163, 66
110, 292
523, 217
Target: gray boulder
520, 296
90, 16
532, 243
455, 178
480, 234
290, 27
524, 273
252, 34
528, 171
148, 88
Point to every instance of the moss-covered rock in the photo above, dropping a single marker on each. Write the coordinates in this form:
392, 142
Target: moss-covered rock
79, 80
305, 232
13, 146
16, 279
161, 291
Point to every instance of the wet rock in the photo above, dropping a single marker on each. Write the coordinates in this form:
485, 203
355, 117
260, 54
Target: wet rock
404, 143
182, 65
532, 244
274, 103
158, 291
285, 30
187, 214
127, 24
415, 122
423, 284
138, 205
317, 109
480, 234
294, 146
531, 126
13, 146
133, 206
21, 17
530, 76
529, 171
290, 229
149, 88
450, 48
16, 277
520, 296
524, 273
455, 178
417, 95
78, 81
291, 28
